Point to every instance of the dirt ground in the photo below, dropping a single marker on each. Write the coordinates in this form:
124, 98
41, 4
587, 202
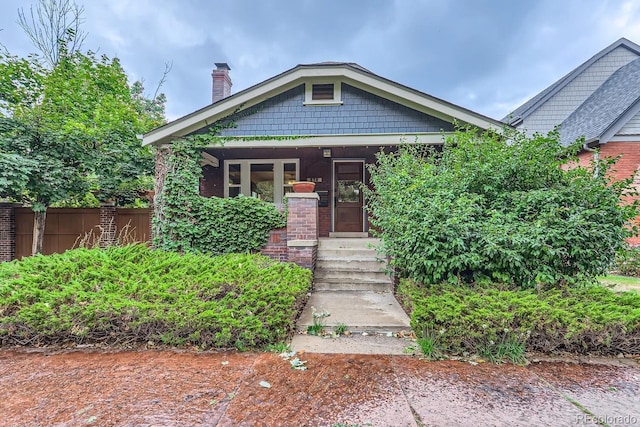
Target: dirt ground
167, 388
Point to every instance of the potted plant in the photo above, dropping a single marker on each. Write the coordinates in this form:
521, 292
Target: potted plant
303, 187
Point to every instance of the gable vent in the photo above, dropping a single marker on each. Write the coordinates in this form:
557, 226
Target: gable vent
322, 92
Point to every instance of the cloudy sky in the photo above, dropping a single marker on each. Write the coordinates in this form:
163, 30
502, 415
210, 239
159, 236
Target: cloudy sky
486, 55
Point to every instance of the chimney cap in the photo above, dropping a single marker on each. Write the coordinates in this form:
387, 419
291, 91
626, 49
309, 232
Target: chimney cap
222, 66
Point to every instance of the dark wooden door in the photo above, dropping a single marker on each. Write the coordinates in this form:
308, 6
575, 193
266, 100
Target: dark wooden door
348, 197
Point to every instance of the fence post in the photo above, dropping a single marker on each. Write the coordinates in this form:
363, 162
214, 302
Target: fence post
7, 232
107, 224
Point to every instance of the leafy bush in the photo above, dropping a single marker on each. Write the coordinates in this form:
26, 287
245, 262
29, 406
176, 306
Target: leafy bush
491, 318
628, 262
133, 294
188, 222
497, 208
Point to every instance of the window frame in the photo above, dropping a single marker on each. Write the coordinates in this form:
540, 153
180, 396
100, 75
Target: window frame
245, 176
337, 92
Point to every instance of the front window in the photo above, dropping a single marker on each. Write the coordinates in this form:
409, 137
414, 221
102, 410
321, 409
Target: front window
267, 180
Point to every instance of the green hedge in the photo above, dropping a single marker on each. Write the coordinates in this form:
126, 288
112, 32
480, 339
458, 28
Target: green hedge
587, 320
133, 294
497, 207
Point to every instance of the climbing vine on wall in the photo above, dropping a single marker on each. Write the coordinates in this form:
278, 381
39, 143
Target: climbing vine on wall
185, 221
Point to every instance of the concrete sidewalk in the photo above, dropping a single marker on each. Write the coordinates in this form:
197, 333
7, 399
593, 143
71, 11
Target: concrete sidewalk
163, 388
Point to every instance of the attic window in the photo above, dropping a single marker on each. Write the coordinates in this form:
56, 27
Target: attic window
323, 93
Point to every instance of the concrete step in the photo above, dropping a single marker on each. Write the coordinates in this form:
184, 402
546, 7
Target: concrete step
347, 243
356, 344
347, 253
359, 264
361, 285
352, 275
360, 311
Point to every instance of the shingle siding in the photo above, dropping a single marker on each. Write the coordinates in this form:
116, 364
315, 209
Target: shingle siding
632, 127
568, 99
360, 112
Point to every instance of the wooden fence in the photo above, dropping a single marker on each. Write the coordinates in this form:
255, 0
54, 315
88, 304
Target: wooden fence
64, 227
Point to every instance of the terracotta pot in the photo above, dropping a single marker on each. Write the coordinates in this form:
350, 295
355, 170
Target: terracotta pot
304, 187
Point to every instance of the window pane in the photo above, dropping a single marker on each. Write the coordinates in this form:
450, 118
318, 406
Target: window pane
234, 174
234, 191
348, 191
262, 181
289, 177
322, 92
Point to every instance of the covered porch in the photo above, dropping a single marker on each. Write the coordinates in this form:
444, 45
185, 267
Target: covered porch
268, 174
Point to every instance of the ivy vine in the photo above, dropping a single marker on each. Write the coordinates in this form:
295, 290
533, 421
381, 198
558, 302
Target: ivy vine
185, 221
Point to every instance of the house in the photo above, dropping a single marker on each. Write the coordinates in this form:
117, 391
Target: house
600, 101
318, 122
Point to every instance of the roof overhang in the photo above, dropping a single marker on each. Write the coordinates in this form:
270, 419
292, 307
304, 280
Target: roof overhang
296, 76
352, 140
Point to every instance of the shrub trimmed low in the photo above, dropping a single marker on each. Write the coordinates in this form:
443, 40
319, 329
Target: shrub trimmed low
477, 318
133, 294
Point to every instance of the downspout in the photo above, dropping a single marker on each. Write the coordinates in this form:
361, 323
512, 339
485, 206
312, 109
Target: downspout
596, 158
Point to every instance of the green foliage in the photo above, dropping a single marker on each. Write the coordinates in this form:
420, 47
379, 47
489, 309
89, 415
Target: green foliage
340, 329
628, 262
430, 343
496, 320
75, 121
498, 208
188, 222
134, 295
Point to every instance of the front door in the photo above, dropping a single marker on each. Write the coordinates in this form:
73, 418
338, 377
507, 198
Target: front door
348, 215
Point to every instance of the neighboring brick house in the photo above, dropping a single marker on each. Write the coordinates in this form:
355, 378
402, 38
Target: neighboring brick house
600, 101
318, 122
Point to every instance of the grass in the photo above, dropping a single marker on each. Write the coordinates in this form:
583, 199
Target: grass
621, 283
133, 295
340, 329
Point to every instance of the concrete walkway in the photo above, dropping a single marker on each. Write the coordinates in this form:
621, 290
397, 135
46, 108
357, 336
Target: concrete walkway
352, 288
373, 319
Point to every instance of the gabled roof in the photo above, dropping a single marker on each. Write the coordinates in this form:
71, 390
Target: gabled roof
350, 73
607, 110
534, 103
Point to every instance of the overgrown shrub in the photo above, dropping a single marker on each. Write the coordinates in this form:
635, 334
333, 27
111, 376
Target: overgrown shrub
497, 208
136, 295
188, 222
479, 318
628, 262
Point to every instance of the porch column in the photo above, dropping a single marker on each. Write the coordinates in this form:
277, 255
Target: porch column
302, 229
107, 225
7, 232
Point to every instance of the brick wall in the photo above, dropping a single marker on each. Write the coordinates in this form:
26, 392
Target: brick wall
626, 167
276, 247
7, 232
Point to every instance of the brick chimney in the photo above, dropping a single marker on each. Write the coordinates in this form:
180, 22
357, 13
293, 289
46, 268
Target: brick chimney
221, 82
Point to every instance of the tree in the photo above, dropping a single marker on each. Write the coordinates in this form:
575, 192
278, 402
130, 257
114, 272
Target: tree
54, 26
497, 207
71, 125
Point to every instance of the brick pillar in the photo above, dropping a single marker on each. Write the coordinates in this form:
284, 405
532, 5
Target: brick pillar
302, 229
7, 232
107, 225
